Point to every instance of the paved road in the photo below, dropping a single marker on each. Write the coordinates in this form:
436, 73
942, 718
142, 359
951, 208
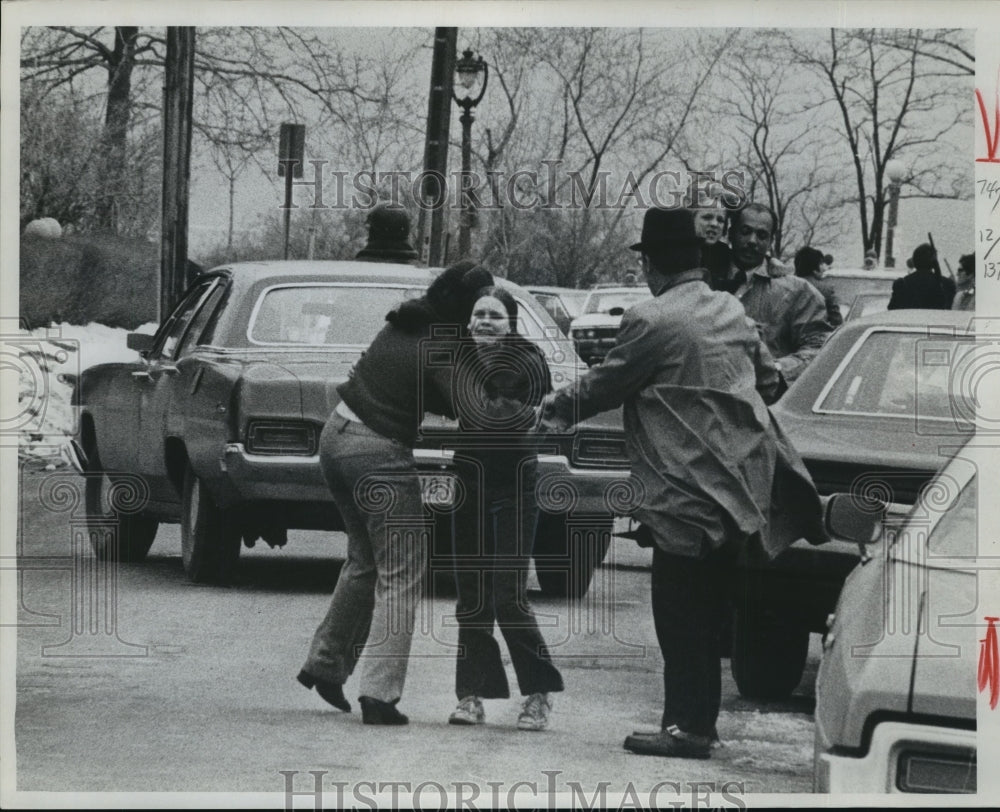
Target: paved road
196, 691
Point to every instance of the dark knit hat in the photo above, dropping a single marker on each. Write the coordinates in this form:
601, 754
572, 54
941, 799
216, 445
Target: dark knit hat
388, 235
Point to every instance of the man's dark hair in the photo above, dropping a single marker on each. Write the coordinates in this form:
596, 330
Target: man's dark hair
807, 261
736, 216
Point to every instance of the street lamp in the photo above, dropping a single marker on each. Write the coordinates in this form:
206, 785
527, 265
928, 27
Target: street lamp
895, 170
469, 71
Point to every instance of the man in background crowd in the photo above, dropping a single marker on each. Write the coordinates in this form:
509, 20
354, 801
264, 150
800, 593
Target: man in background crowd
790, 312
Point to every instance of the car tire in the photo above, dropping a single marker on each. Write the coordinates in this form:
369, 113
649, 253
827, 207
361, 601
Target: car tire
135, 533
211, 537
768, 655
565, 565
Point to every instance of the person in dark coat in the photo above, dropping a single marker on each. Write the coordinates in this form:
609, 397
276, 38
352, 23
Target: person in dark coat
500, 379
924, 288
366, 455
811, 264
718, 477
388, 236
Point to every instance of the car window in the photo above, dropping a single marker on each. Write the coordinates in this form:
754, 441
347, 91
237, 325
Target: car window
554, 306
298, 314
604, 302
899, 374
867, 303
201, 318
955, 534
171, 331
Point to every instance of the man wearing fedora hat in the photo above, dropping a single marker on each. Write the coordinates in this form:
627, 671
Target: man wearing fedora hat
693, 375
388, 236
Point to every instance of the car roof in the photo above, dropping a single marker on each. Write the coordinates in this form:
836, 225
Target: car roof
348, 270
553, 289
911, 318
861, 273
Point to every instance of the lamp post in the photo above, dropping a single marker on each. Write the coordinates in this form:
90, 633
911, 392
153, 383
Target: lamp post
895, 170
472, 74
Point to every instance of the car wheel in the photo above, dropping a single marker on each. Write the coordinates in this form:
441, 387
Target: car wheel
566, 555
768, 655
210, 537
135, 534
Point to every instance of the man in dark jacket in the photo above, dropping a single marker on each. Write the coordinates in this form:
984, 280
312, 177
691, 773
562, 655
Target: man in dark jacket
693, 375
924, 288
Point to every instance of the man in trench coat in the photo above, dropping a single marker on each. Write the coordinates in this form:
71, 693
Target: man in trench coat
694, 376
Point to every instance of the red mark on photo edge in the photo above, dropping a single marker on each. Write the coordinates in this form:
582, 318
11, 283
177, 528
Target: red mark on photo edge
989, 662
992, 135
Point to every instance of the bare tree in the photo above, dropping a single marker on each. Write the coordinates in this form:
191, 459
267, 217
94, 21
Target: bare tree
898, 95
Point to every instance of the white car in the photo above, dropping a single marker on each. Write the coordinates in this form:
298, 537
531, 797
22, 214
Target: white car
595, 330
896, 690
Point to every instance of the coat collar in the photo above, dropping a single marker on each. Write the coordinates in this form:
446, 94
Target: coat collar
694, 275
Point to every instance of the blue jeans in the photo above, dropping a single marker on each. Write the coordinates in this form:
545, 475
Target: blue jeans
375, 485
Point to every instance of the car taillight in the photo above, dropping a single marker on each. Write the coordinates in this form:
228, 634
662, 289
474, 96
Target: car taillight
936, 772
601, 451
281, 437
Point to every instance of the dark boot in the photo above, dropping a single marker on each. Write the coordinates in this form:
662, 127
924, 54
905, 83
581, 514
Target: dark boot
330, 691
376, 712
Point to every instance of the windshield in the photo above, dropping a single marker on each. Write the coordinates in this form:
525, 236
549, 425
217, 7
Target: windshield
955, 534
324, 314
605, 302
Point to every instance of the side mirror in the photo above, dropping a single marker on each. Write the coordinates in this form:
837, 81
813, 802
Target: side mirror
142, 343
616, 311
859, 520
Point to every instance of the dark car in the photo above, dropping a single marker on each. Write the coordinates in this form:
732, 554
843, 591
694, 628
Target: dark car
896, 689
870, 416
216, 423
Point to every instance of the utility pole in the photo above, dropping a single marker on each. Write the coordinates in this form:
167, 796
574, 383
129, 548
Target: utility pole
431, 245
178, 95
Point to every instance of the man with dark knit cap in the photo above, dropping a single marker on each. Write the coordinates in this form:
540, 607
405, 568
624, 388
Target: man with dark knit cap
694, 377
388, 236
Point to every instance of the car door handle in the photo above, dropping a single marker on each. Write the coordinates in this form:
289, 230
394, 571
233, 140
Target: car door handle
142, 373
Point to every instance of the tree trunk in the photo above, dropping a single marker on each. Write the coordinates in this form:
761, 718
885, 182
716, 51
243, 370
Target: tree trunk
114, 147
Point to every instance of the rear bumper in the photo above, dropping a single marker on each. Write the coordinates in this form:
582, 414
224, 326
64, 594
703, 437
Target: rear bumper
878, 770
289, 478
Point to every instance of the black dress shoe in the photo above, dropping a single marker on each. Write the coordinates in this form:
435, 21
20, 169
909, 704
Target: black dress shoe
376, 712
670, 743
330, 691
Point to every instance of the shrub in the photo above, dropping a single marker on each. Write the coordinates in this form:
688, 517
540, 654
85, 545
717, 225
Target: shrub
89, 277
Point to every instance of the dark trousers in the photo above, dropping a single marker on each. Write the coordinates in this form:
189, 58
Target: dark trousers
493, 539
690, 600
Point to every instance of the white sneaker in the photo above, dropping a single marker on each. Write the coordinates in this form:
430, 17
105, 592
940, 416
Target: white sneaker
469, 712
535, 713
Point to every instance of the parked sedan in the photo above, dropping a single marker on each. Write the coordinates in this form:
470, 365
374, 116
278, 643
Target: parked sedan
869, 416
896, 693
216, 423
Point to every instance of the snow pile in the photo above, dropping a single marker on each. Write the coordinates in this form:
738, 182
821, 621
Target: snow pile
49, 361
